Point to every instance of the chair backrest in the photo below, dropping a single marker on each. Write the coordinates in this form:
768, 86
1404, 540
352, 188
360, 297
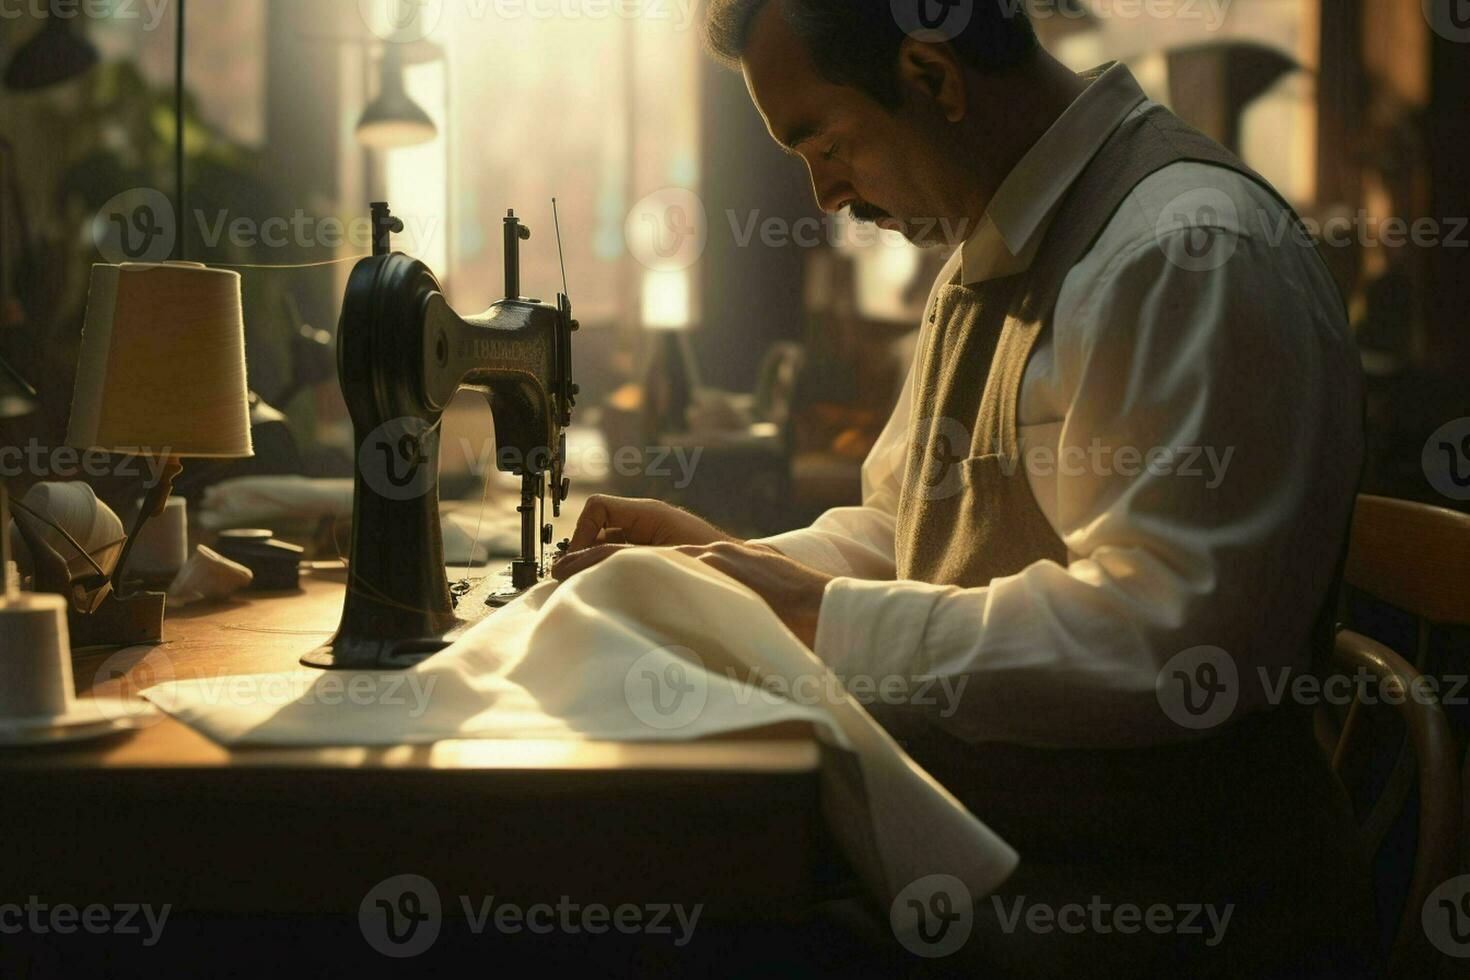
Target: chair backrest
1433, 766
1416, 558
1412, 556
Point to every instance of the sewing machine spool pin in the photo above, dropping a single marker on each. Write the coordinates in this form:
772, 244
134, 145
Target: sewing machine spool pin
403, 354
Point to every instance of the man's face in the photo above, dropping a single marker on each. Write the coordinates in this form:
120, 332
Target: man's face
877, 163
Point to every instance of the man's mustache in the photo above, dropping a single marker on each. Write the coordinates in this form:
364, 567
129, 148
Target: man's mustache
865, 213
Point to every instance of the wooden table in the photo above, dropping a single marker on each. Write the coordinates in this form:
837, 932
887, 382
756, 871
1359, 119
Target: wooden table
164, 815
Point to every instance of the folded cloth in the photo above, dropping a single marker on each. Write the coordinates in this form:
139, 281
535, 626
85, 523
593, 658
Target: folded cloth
266, 501
651, 645
208, 575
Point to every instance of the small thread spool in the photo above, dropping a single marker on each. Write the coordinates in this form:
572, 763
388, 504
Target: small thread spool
163, 547
35, 657
162, 365
75, 507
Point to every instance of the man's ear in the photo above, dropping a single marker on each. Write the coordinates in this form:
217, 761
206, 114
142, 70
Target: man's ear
933, 71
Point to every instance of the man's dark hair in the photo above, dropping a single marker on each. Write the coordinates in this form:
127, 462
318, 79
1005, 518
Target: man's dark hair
856, 42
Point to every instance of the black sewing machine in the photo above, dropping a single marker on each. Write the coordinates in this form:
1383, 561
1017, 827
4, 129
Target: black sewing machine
402, 354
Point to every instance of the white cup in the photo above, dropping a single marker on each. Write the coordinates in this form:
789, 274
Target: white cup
35, 658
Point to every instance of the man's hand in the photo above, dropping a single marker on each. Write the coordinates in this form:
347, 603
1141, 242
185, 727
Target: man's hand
617, 520
791, 589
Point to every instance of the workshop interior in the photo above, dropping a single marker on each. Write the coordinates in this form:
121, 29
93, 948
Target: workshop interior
322, 322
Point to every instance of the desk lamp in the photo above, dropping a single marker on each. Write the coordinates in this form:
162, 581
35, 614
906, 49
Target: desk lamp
673, 376
394, 119
162, 377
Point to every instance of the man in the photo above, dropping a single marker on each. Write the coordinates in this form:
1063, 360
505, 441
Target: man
1112, 499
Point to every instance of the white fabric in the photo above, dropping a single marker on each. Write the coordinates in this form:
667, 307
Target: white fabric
1251, 362
580, 661
251, 501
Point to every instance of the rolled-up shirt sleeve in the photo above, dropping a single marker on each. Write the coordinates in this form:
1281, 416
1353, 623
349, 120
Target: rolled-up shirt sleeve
1203, 473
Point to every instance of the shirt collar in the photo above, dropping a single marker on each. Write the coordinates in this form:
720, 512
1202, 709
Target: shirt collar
1009, 235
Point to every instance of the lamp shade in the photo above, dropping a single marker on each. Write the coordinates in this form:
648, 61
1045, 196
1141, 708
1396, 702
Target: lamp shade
666, 299
393, 119
162, 368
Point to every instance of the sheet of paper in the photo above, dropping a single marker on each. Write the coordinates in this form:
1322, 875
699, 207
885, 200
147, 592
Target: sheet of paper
650, 645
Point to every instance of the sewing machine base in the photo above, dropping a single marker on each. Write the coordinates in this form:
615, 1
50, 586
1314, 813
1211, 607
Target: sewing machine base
121, 621
482, 597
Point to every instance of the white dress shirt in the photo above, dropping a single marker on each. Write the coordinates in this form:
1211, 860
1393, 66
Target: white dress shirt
1251, 362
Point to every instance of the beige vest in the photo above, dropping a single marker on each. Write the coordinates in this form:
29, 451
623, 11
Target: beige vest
1175, 822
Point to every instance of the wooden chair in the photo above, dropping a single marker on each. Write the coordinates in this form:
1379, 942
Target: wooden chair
1417, 559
